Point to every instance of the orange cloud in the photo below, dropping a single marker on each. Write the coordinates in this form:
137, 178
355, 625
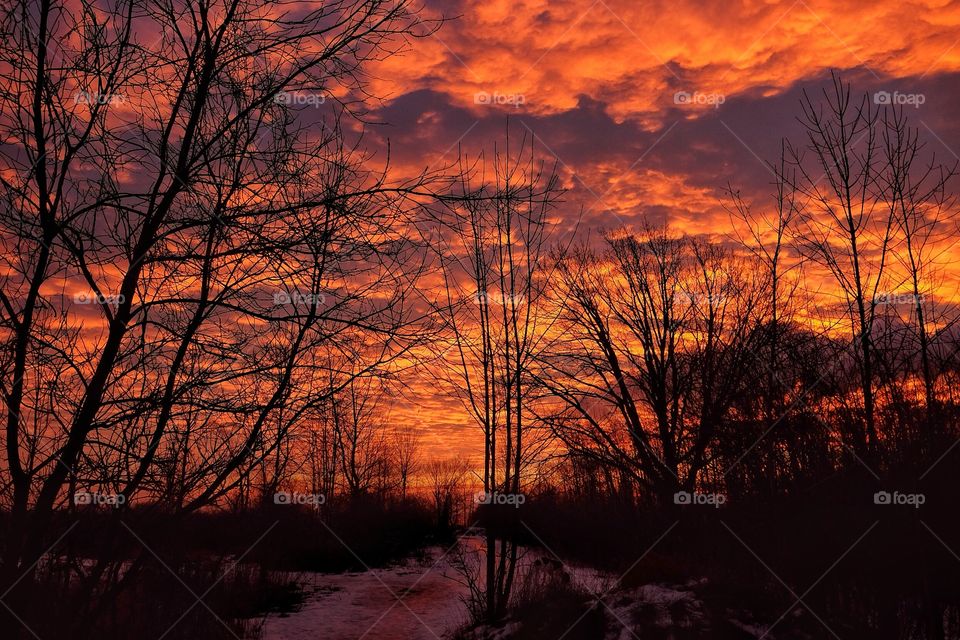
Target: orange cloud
635, 57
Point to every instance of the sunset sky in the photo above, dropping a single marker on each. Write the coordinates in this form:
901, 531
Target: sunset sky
304, 300
651, 109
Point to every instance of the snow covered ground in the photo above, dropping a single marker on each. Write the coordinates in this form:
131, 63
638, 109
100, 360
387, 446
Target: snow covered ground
423, 599
418, 599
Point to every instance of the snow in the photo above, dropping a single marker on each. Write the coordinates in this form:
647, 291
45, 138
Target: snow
423, 599
418, 599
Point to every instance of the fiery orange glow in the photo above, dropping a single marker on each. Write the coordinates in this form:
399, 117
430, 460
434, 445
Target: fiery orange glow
652, 110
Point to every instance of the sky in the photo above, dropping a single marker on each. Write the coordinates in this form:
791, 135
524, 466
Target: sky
650, 109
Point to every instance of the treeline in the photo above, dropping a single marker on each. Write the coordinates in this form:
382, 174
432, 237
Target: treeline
209, 298
796, 373
820, 335
200, 261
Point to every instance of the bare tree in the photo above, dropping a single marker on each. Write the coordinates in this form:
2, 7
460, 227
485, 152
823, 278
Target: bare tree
915, 192
660, 332
846, 228
183, 248
872, 218
447, 484
493, 259
360, 427
766, 234
407, 456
